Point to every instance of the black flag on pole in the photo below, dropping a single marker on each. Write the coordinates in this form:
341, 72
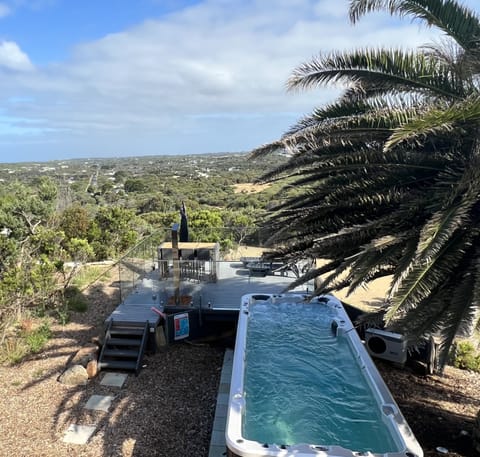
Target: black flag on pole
183, 224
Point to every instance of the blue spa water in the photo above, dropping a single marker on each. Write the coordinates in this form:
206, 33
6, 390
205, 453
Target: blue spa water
303, 385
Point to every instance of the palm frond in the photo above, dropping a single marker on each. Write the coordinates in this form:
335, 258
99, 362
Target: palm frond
437, 232
455, 20
424, 277
327, 268
266, 149
381, 70
375, 259
340, 109
438, 122
327, 283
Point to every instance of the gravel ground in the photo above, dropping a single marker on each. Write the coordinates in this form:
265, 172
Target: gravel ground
167, 411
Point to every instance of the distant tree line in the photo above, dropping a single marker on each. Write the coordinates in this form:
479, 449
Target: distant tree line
47, 224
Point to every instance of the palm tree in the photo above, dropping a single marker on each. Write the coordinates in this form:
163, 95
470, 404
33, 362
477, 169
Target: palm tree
388, 176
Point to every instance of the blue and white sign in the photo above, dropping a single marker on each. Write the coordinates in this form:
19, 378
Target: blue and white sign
181, 325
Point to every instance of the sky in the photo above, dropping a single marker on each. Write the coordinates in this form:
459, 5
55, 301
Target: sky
118, 78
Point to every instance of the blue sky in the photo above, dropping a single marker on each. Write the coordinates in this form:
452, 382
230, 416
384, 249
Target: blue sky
99, 78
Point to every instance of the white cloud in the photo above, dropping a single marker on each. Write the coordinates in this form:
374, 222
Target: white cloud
332, 9
13, 58
4, 10
204, 72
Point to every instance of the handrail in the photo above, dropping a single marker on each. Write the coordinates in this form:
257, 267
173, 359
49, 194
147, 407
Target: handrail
141, 351
107, 337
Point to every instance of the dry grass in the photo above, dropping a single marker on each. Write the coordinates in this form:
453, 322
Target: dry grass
249, 188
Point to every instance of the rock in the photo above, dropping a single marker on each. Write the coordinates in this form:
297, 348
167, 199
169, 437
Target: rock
75, 375
98, 340
85, 355
92, 369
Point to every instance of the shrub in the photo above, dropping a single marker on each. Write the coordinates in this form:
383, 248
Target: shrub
30, 340
13, 351
74, 300
466, 356
36, 339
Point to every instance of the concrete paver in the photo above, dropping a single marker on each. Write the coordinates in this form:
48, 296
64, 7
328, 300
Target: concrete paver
114, 379
217, 451
78, 434
99, 402
222, 399
218, 438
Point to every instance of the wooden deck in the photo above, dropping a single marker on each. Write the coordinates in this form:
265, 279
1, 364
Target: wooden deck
135, 313
234, 280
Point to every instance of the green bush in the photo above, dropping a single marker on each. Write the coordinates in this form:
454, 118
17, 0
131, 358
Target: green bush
62, 315
13, 351
466, 356
36, 339
29, 340
74, 300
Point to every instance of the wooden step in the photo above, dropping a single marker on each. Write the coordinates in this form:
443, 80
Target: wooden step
123, 342
126, 353
124, 346
132, 324
134, 331
118, 364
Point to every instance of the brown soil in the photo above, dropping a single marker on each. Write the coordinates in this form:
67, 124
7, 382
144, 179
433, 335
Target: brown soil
168, 409
440, 410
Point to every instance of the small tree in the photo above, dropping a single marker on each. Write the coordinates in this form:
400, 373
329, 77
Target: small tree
113, 231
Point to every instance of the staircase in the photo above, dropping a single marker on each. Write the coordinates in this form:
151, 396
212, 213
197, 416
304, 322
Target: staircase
124, 346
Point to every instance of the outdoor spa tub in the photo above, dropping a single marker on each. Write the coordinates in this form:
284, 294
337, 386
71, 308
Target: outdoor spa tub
303, 385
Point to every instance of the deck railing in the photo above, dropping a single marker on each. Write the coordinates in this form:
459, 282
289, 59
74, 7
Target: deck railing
139, 263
